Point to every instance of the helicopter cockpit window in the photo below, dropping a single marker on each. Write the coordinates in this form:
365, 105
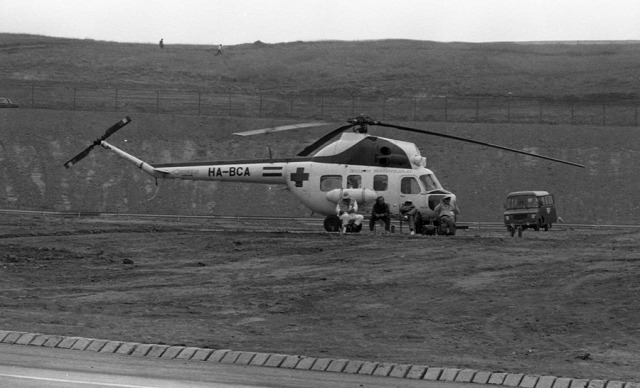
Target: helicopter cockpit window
330, 182
429, 182
380, 182
354, 182
409, 185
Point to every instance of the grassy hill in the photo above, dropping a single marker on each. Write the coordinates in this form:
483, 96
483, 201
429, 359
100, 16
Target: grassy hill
35, 142
390, 67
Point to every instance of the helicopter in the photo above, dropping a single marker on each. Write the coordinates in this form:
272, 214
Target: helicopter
362, 165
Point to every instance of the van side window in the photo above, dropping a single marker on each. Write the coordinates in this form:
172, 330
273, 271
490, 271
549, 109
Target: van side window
409, 185
380, 182
330, 182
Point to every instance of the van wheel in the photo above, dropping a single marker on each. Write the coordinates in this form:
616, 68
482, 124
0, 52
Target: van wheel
536, 227
332, 223
546, 227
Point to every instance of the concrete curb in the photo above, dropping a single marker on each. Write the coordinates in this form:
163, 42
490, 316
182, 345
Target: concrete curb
384, 369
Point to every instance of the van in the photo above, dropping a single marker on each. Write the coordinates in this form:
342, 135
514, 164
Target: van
529, 209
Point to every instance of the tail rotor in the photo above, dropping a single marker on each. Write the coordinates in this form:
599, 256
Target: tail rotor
108, 133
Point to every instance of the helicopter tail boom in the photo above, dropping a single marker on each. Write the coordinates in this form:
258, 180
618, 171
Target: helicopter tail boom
146, 167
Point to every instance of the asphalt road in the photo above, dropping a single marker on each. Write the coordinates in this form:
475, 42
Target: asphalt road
30, 366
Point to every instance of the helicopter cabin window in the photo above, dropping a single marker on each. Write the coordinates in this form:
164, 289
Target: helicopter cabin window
429, 182
409, 185
354, 182
330, 182
380, 182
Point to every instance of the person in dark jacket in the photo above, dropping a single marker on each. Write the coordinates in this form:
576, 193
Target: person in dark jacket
380, 211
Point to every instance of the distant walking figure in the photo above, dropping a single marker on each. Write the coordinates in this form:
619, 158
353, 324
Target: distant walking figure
161, 44
219, 50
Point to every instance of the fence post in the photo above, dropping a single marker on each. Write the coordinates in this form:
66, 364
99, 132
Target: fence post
540, 112
384, 107
572, 106
353, 106
415, 103
477, 109
446, 106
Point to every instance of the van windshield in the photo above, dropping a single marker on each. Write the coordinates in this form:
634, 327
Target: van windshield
522, 202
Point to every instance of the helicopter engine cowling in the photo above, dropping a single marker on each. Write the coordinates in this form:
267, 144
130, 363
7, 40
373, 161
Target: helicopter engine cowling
392, 160
362, 196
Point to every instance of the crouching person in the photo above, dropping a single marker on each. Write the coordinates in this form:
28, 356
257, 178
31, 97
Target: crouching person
446, 211
346, 210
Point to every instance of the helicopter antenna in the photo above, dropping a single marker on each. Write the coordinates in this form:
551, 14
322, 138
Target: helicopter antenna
156, 193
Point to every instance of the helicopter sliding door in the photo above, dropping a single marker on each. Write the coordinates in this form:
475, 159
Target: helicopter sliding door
410, 190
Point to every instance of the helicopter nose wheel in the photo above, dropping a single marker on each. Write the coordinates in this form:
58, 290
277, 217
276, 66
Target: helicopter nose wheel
332, 223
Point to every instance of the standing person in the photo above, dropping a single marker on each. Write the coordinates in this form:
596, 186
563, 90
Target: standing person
219, 49
161, 43
446, 212
380, 211
346, 210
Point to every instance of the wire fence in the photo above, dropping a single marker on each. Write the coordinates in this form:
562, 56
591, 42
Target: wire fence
439, 108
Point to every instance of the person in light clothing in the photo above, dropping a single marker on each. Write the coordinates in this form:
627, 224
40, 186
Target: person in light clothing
447, 212
346, 209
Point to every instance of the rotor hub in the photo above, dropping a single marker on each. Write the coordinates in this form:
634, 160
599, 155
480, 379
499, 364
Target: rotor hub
361, 123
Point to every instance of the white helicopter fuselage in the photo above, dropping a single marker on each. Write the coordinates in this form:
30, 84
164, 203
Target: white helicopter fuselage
363, 165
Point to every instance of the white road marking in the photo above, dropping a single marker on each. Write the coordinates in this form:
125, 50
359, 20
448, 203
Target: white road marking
74, 381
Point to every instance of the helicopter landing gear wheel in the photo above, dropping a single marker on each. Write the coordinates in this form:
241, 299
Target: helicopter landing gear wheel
332, 223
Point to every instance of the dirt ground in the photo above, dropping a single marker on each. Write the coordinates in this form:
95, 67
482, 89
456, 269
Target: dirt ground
561, 303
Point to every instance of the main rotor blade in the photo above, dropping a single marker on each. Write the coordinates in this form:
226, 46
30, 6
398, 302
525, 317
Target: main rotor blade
477, 142
280, 128
320, 142
108, 133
